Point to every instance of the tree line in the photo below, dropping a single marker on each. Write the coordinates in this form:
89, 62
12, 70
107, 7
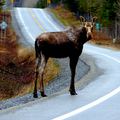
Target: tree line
2, 2
105, 10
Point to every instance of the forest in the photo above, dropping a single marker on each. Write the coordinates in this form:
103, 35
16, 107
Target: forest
106, 11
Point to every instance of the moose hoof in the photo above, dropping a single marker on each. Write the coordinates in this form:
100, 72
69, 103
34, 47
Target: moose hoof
73, 93
43, 94
35, 95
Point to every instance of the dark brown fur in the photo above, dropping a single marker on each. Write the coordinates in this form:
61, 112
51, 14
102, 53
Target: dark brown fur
68, 43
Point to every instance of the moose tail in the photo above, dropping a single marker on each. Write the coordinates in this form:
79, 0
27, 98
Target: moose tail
36, 48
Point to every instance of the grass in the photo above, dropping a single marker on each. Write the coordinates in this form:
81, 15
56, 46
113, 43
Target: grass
18, 79
17, 72
17, 67
66, 17
101, 39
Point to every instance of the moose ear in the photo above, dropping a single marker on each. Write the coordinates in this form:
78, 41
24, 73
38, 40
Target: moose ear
82, 20
94, 20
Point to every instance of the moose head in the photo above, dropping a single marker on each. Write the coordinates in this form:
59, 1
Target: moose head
68, 43
88, 25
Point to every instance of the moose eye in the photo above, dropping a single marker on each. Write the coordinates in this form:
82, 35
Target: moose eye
91, 29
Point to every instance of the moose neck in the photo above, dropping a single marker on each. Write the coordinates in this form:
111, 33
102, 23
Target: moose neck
82, 36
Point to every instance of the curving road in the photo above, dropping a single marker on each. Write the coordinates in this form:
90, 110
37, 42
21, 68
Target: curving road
99, 100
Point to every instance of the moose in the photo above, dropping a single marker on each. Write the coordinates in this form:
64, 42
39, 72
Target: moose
67, 43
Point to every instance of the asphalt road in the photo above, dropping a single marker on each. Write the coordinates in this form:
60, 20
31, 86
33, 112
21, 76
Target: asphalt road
99, 100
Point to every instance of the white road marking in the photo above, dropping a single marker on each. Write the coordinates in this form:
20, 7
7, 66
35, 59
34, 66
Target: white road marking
36, 19
94, 103
23, 23
46, 17
108, 56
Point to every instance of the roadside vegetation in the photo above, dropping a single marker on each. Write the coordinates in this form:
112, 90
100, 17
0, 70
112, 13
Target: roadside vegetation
106, 11
17, 63
66, 17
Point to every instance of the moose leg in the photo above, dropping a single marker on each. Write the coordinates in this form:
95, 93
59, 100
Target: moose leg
37, 72
42, 68
73, 63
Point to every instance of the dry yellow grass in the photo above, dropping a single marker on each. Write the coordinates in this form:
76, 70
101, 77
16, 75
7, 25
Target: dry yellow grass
101, 39
17, 77
17, 67
65, 16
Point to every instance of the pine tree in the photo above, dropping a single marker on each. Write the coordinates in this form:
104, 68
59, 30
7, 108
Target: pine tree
2, 2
